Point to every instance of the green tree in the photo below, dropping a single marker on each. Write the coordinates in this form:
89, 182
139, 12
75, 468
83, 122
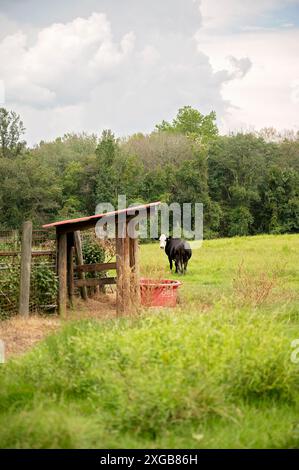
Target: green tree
118, 172
29, 190
191, 122
278, 211
240, 220
106, 189
11, 132
236, 170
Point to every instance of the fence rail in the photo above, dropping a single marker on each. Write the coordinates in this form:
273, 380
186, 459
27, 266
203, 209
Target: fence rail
95, 267
33, 253
93, 282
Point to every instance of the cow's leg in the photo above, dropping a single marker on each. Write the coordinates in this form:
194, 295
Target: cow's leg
185, 265
178, 266
170, 263
182, 267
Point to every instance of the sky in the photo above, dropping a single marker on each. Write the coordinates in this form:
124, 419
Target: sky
74, 66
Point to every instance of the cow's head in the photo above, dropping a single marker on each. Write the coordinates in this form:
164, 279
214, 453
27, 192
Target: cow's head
162, 239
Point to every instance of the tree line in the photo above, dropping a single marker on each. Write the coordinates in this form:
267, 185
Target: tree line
248, 182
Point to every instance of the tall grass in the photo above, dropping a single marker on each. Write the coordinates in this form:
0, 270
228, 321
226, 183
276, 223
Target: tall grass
142, 377
192, 377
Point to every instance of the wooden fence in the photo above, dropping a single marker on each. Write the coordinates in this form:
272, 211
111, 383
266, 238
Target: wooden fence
26, 266
28, 271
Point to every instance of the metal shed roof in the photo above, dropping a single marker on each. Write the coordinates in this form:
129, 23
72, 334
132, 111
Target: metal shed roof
94, 218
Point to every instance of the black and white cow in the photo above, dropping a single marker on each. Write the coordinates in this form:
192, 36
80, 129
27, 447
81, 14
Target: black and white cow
177, 250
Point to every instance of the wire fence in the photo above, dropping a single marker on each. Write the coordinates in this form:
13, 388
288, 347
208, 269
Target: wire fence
9, 284
43, 277
43, 286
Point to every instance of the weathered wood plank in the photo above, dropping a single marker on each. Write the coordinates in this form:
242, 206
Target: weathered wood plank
135, 276
94, 282
119, 245
25, 269
95, 267
62, 272
123, 297
85, 225
70, 267
127, 276
80, 261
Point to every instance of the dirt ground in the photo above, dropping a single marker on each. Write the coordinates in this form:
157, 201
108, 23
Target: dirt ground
21, 334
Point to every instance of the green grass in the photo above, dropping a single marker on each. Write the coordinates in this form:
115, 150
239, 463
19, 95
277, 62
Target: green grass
213, 373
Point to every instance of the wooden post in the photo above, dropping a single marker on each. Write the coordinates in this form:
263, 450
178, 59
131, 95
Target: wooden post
16, 239
70, 267
135, 276
127, 275
79, 255
62, 273
123, 296
25, 269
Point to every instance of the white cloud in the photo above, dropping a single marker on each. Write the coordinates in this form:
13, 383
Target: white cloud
2, 93
227, 13
74, 76
295, 91
6, 26
87, 74
240, 67
265, 96
150, 55
64, 63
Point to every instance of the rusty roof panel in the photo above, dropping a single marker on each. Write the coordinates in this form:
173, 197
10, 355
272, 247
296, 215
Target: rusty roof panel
99, 216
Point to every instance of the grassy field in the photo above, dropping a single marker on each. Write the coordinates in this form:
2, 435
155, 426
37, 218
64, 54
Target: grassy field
216, 372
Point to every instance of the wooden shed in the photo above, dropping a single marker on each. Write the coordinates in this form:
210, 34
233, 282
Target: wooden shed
126, 265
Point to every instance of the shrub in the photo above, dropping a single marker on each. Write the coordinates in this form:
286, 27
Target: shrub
253, 289
9, 289
44, 286
92, 250
46, 427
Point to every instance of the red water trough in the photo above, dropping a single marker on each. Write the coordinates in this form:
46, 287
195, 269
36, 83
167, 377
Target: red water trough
159, 293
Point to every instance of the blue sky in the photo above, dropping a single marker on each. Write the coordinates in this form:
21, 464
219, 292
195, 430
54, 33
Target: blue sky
286, 16
127, 64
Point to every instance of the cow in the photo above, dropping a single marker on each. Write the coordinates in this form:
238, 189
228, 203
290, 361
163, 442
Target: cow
178, 251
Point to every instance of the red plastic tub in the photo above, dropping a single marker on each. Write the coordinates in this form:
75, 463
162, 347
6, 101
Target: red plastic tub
159, 293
